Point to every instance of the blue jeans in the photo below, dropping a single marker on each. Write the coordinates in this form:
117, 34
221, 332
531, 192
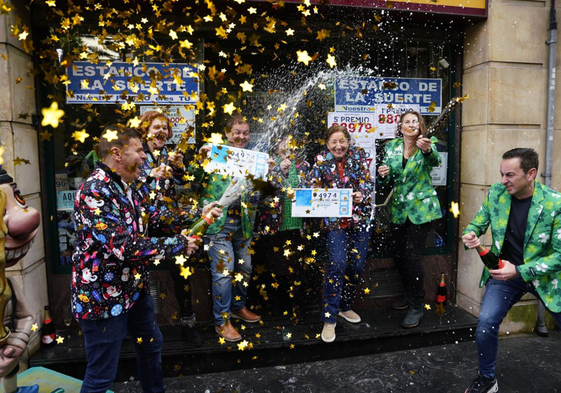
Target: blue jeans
230, 260
499, 297
344, 270
104, 338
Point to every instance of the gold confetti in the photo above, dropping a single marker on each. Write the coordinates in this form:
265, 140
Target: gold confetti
455, 209
303, 57
51, 115
80, 136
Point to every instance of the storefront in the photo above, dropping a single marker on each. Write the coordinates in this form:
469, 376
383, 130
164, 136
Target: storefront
284, 64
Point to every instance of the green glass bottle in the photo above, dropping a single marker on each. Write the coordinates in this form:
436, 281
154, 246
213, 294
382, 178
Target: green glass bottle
199, 227
490, 260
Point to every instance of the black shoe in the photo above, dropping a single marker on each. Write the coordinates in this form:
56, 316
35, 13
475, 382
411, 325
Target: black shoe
190, 332
483, 385
412, 318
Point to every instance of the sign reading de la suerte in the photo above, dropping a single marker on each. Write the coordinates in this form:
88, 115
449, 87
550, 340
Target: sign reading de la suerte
362, 94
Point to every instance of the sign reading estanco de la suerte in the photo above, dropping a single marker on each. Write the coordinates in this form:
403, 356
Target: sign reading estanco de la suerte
363, 93
148, 83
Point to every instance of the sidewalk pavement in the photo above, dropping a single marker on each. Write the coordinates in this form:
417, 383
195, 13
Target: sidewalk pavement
526, 364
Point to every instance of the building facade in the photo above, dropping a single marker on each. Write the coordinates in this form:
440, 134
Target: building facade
497, 54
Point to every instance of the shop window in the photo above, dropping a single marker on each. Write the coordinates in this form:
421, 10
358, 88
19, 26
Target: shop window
286, 97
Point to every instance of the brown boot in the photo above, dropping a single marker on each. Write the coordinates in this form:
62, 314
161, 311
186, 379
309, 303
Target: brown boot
228, 332
245, 315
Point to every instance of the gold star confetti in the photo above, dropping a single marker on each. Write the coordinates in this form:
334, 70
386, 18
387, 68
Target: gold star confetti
229, 108
59, 340
110, 135
427, 306
51, 115
180, 260
185, 272
303, 57
331, 61
46, 135
134, 122
215, 139
455, 209
80, 136
243, 345
139, 340
246, 86
34, 327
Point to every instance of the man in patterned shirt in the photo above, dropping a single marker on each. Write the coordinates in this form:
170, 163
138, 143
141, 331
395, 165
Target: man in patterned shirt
525, 221
110, 276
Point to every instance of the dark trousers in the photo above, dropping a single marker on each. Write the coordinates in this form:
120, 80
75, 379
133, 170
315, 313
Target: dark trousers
408, 241
104, 339
182, 288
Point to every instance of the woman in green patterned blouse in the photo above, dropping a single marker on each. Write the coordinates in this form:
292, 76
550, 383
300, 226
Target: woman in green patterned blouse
407, 164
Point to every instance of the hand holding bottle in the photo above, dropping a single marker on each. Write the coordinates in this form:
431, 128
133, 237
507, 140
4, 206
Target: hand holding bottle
506, 272
383, 170
424, 144
471, 240
212, 210
192, 242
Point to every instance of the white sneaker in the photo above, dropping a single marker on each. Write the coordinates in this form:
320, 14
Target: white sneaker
328, 332
350, 316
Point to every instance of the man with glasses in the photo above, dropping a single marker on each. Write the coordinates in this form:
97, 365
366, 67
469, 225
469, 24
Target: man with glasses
228, 239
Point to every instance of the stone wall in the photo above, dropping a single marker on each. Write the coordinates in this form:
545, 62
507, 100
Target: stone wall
505, 74
19, 138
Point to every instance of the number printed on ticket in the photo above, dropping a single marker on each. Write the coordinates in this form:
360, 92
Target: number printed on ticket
233, 161
322, 202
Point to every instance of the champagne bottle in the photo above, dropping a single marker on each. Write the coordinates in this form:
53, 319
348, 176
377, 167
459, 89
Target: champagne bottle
442, 291
490, 260
199, 227
441, 295
48, 333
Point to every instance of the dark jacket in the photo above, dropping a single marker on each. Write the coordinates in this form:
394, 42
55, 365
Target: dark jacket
356, 175
112, 250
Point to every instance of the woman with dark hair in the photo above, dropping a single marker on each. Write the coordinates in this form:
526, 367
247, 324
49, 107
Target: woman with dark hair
407, 164
343, 166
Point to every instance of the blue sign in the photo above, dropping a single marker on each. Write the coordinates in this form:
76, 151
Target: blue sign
361, 94
116, 82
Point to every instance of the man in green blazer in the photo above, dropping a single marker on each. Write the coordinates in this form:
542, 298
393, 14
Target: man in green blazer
228, 239
525, 221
